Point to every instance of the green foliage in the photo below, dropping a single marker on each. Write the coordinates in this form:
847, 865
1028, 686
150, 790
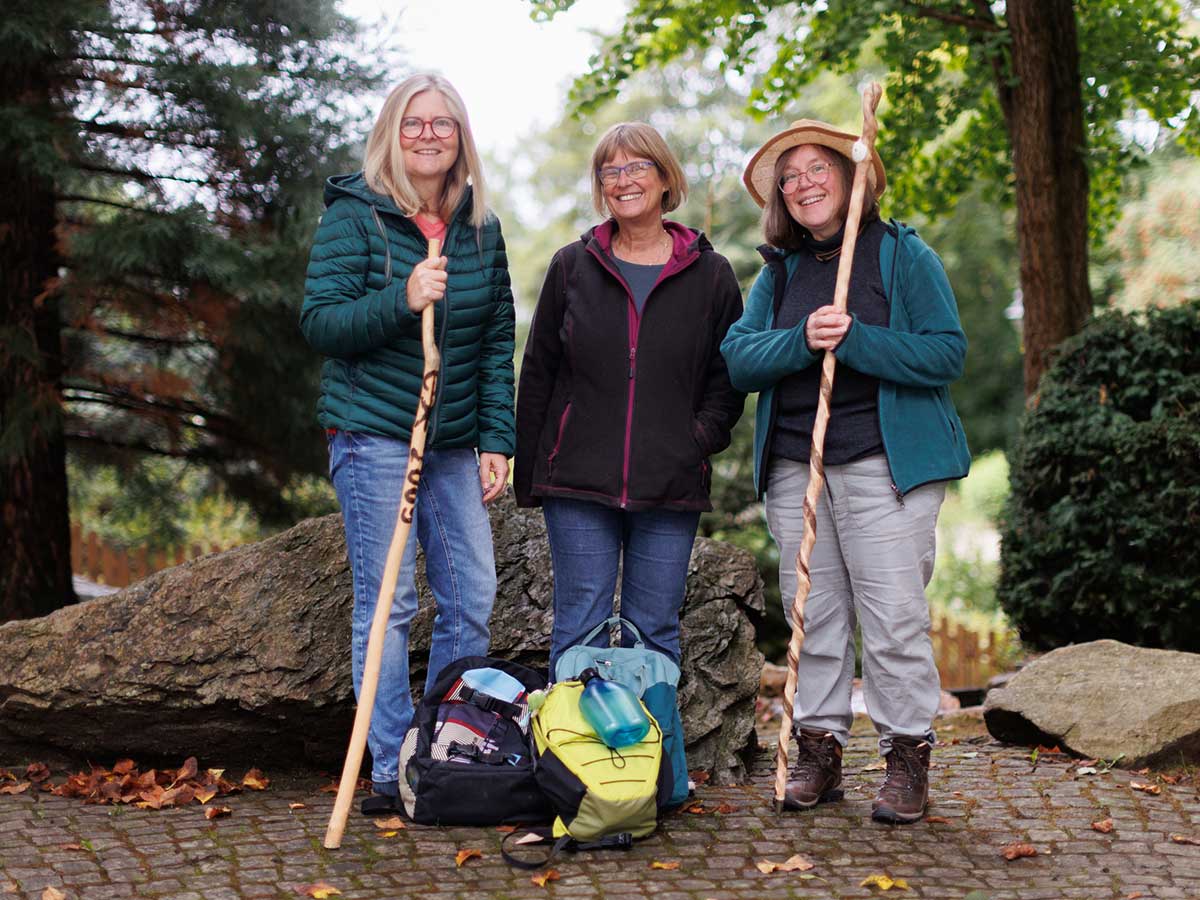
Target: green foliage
1099, 538
941, 65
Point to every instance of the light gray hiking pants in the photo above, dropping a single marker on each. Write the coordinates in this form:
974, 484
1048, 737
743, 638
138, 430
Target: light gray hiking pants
871, 562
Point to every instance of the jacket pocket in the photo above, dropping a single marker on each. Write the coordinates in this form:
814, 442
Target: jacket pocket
558, 439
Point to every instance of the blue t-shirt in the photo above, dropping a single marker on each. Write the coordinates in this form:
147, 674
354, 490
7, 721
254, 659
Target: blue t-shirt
640, 279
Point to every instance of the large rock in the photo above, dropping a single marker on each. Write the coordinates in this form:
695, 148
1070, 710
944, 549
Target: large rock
1104, 699
245, 654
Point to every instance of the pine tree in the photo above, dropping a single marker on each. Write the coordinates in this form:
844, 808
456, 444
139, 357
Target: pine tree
161, 164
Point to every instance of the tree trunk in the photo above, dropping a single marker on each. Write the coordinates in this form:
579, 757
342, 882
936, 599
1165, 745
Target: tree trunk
35, 540
1044, 113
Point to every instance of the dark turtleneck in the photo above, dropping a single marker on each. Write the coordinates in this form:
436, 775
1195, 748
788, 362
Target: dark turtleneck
853, 431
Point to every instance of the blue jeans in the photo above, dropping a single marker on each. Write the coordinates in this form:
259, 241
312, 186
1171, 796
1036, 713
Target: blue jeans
452, 526
586, 544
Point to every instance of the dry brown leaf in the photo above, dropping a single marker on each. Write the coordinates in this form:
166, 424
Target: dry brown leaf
1152, 789
884, 882
463, 855
52, 893
937, 820
187, 771
795, 863
392, 823
330, 788
1136, 895
726, 808
696, 808
700, 776
875, 766
217, 812
205, 794
296, 806
1104, 826
19, 788
1186, 839
124, 766
255, 780
37, 772
1145, 771
506, 829
73, 847
1016, 851
319, 890
541, 878
669, 866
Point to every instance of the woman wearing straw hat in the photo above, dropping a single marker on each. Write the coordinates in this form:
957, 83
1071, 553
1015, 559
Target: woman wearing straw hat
893, 441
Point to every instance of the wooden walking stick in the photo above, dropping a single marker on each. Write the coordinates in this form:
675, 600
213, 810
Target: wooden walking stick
391, 570
816, 466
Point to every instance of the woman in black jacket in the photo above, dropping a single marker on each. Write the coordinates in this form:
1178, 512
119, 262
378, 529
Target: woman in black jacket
624, 396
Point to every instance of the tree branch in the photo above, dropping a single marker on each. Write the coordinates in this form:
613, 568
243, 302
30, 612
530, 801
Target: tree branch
79, 198
949, 16
144, 176
92, 437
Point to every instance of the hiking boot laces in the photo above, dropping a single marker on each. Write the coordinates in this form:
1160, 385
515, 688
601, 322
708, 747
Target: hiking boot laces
815, 756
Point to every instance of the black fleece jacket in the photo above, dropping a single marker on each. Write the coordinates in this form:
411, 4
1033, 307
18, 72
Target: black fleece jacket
621, 409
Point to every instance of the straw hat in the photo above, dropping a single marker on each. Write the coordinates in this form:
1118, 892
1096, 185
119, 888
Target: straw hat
760, 171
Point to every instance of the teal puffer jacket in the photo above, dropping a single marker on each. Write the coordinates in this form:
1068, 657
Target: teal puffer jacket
356, 314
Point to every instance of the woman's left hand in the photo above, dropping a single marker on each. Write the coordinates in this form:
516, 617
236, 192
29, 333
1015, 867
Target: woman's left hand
493, 475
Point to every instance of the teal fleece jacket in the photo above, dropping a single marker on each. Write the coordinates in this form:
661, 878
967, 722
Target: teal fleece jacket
915, 359
356, 313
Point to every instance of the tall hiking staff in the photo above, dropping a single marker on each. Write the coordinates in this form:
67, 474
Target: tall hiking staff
391, 571
816, 467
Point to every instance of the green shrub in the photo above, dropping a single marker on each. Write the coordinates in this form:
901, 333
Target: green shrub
1101, 532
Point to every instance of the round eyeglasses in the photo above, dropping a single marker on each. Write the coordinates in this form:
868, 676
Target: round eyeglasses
636, 170
442, 127
817, 174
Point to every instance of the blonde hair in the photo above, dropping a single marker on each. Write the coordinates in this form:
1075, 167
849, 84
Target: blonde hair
638, 139
383, 164
781, 230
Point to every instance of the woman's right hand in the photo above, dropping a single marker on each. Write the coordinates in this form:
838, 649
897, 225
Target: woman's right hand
826, 327
426, 284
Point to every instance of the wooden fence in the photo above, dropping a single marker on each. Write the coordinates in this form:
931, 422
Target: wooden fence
967, 658
98, 561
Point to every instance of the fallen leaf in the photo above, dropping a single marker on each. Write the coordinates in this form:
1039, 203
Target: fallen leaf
696, 808
1016, 851
506, 829
669, 866
330, 788
795, 863
1152, 789
541, 878
875, 766
1134, 896
255, 780
884, 882
217, 812
187, 771
205, 794
1104, 826
211, 775
1185, 839
1141, 771
394, 823
388, 834
124, 766
529, 838
1086, 770
37, 772
700, 776
51, 893
295, 806
463, 855
1169, 779
937, 820
19, 788
319, 890
72, 847
726, 808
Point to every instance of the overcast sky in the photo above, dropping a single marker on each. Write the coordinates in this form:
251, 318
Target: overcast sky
512, 72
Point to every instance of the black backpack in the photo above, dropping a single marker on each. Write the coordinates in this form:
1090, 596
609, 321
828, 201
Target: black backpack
468, 758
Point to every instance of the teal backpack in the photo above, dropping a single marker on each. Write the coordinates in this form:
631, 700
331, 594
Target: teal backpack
653, 676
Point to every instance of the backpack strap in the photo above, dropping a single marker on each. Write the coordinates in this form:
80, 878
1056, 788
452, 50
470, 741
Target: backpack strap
491, 704
622, 841
609, 623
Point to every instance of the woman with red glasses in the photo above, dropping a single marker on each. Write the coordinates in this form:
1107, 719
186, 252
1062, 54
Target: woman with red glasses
893, 441
368, 282
624, 397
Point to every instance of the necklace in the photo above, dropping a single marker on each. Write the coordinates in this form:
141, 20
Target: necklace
662, 245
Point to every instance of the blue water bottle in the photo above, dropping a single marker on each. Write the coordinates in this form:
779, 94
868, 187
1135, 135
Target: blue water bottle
612, 709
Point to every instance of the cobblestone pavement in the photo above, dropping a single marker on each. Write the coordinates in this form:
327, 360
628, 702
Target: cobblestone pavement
989, 796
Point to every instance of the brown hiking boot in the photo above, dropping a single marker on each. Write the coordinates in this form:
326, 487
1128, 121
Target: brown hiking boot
817, 777
905, 791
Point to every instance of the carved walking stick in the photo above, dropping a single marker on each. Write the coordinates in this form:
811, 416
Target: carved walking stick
391, 570
816, 466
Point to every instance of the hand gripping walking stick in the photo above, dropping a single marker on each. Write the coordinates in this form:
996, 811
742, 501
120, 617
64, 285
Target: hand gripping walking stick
816, 466
391, 570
